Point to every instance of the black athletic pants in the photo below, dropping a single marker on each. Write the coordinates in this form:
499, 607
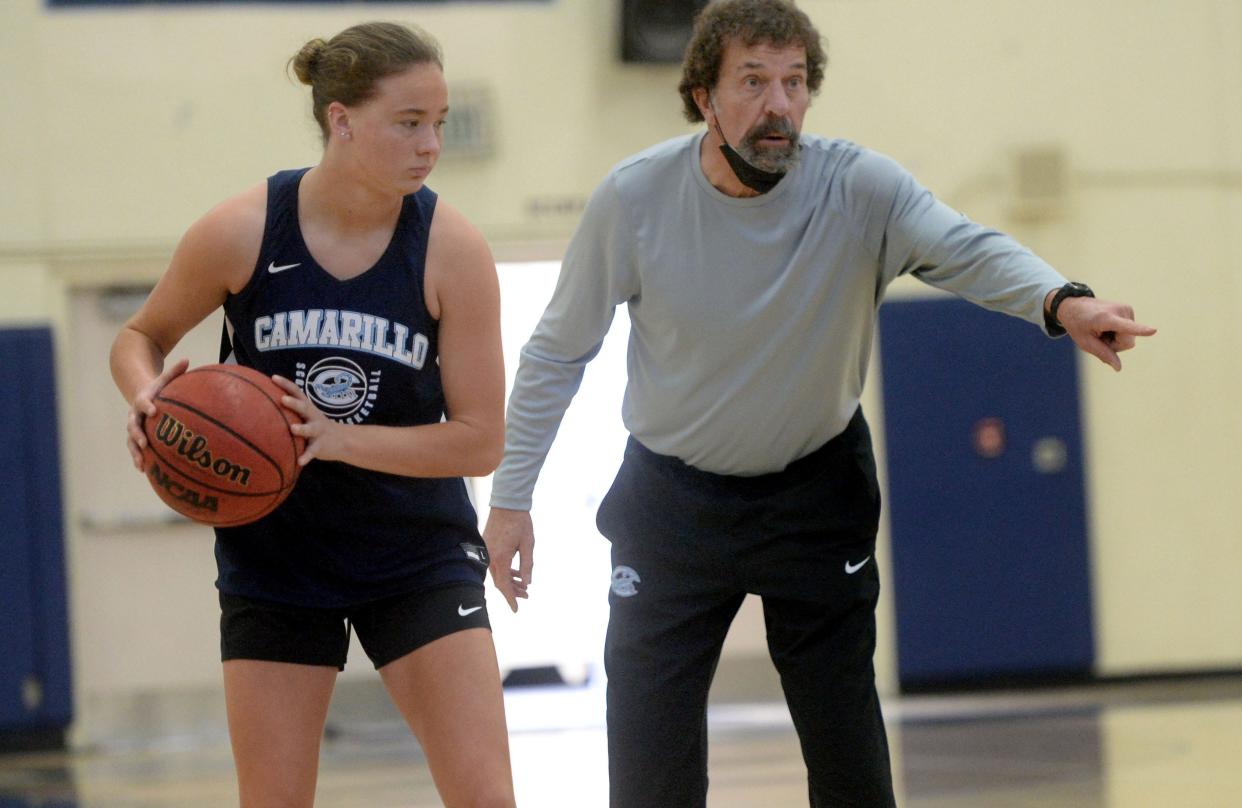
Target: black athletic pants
687, 546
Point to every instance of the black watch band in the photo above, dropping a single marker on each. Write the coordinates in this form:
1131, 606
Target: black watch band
1071, 289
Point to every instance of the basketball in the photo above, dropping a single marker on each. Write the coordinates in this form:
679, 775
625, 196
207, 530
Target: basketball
219, 449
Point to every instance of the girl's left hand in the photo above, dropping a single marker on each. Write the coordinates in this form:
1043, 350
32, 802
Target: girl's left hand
322, 434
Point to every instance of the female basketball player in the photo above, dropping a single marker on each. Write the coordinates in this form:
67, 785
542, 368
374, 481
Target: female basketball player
376, 307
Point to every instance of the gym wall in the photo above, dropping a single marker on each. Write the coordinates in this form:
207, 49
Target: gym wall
1104, 135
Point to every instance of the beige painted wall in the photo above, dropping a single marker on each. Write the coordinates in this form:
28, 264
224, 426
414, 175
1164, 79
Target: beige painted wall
126, 125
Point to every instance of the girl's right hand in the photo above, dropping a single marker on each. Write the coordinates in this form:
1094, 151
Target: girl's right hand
144, 405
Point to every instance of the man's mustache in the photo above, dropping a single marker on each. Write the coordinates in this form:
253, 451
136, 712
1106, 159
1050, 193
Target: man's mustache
782, 127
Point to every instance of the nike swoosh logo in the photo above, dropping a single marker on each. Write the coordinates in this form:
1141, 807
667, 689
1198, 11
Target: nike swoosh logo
465, 612
850, 569
272, 268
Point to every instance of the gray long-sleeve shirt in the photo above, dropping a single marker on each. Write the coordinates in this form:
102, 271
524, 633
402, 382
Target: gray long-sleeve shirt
751, 320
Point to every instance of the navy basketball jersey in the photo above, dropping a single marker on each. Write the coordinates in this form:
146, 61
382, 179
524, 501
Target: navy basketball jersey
364, 350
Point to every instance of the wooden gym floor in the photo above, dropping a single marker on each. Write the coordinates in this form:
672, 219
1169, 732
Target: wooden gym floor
1171, 744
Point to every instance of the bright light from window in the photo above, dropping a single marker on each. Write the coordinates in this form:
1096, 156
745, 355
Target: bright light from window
563, 622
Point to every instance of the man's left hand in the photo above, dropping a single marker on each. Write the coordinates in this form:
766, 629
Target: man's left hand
1101, 328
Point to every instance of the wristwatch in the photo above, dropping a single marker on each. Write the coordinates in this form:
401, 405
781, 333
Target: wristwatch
1071, 289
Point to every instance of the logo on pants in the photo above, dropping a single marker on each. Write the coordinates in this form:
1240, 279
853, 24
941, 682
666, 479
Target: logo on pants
623, 582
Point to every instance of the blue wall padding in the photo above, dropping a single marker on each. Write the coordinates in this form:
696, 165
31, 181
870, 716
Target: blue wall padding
990, 557
34, 644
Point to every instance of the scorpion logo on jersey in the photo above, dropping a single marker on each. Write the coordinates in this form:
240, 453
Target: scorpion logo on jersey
340, 388
623, 581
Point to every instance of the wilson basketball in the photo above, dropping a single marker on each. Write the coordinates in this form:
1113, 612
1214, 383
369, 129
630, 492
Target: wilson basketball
219, 449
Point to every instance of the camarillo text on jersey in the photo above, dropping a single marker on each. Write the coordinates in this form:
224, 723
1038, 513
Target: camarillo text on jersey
350, 330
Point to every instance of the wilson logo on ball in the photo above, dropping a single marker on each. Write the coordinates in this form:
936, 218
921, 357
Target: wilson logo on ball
194, 448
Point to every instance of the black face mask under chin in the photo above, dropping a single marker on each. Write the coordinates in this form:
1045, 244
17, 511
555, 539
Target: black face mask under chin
756, 179
753, 178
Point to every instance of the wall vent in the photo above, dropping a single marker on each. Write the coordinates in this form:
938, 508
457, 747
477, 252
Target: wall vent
469, 130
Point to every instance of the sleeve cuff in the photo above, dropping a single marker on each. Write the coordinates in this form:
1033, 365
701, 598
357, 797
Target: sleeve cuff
512, 503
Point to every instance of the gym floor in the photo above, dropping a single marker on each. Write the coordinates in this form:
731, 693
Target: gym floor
1166, 744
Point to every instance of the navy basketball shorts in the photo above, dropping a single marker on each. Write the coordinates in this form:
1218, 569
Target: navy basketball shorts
388, 629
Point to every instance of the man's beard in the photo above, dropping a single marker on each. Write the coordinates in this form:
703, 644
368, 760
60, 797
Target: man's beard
767, 158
